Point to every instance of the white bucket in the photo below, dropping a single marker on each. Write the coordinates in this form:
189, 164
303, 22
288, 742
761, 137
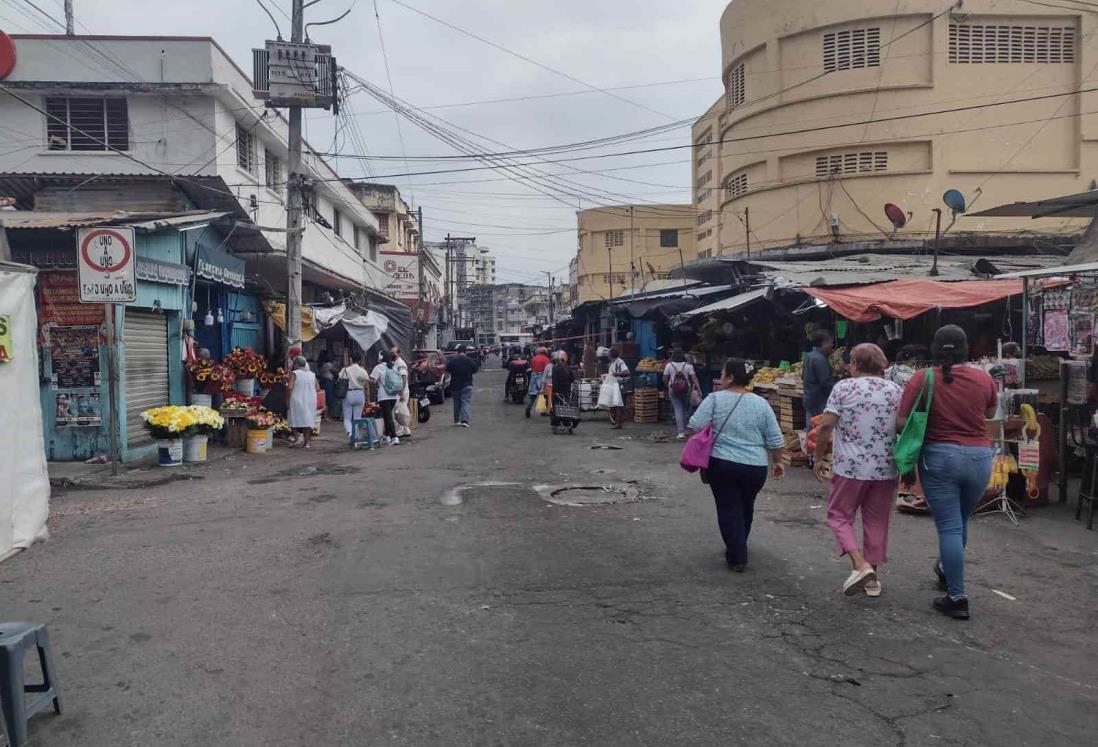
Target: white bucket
194, 449
170, 452
202, 400
244, 386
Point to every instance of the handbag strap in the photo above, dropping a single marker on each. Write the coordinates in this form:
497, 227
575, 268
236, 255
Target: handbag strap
726, 417
926, 392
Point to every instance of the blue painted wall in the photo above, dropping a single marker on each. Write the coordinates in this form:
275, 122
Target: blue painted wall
644, 334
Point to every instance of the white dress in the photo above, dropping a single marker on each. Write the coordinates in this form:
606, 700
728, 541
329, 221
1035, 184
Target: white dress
302, 410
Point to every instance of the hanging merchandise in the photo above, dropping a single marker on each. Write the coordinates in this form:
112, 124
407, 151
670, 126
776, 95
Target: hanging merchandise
1082, 334
1057, 337
1034, 332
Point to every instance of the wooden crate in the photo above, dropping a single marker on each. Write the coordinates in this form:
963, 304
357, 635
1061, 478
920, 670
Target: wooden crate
646, 405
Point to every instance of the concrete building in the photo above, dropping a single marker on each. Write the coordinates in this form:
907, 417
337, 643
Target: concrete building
508, 313
823, 118
624, 246
484, 267
397, 221
179, 107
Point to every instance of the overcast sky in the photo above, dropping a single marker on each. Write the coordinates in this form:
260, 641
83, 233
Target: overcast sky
609, 44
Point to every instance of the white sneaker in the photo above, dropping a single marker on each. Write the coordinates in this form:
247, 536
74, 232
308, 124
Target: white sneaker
681, 437
385, 441
857, 580
394, 442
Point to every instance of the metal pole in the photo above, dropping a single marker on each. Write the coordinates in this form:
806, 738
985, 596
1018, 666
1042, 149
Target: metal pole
550, 275
1025, 326
422, 336
632, 261
68, 19
294, 203
747, 228
112, 385
449, 285
937, 240
610, 263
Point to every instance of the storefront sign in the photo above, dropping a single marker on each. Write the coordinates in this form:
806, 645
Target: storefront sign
45, 258
6, 352
77, 409
156, 271
74, 357
401, 275
59, 300
105, 262
220, 266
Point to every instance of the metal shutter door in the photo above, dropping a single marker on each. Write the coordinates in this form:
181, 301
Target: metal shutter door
146, 347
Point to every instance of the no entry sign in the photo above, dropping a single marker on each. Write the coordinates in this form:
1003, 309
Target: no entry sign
106, 263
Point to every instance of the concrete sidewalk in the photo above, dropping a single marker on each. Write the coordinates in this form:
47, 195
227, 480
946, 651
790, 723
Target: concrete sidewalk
141, 473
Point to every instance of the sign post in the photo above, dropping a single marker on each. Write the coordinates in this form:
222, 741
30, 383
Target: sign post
106, 273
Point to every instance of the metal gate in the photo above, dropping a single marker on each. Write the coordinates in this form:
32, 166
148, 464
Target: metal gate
145, 340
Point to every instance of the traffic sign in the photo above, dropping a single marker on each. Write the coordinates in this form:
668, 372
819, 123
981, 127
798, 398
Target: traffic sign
106, 263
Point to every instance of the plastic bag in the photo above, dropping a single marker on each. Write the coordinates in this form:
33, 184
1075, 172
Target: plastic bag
610, 393
540, 406
402, 414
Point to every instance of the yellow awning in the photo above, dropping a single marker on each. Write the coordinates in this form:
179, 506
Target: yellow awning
277, 313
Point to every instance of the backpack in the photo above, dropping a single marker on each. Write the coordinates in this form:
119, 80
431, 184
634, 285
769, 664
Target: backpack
392, 381
680, 384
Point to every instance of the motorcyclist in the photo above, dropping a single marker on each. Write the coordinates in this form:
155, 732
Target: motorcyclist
516, 364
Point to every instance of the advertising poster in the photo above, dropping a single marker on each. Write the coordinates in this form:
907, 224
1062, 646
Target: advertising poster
74, 357
75, 409
59, 300
1057, 336
1082, 335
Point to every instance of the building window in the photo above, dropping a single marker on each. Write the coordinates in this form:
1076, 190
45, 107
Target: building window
87, 124
851, 163
851, 49
705, 178
704, 195
373, 249
993, 43
615, 238
705, 217
272, 170
669, 237
737, 87
383, 225
735, 186
245, 148
337, 222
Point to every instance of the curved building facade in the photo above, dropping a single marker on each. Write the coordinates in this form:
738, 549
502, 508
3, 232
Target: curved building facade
833, 108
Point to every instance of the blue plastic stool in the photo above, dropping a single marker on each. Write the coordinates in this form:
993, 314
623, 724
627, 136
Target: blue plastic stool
364, 431
15, 639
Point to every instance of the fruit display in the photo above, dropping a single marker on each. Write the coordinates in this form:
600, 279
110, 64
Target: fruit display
649, 365
1002, 467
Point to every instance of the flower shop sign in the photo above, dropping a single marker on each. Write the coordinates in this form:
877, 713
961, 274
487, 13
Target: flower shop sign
106, 262
5, 339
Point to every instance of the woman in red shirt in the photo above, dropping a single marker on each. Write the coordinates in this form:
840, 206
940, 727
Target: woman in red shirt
955, 462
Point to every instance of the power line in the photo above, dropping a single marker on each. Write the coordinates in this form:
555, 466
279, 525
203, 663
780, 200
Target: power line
278, 31
389, 77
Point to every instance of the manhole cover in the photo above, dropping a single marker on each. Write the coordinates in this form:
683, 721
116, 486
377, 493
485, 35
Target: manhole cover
590, 495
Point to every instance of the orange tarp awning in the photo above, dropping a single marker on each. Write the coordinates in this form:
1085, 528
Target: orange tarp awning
905, 299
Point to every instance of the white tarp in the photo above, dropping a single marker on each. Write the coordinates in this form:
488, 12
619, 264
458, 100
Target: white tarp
366, 329
25, 493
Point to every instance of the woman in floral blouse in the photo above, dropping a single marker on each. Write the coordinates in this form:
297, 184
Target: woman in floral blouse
860, 420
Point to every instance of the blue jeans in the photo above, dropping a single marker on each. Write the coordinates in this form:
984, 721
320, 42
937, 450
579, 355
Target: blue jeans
954, 479
463, 399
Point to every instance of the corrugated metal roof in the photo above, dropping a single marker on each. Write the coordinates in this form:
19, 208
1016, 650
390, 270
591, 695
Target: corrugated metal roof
182, 219
32, 219
865, 269
726, 304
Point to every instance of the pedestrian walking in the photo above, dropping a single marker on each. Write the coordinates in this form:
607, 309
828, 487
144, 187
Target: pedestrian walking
356, 377
327, 377
610, 395
390, 384
682, 382
303, 387
461, 368
816, 375
747, 441
401, 366
561, 378
955, 461
538, 364
859, 420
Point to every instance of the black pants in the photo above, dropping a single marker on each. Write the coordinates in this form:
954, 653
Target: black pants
735, 487
387, 407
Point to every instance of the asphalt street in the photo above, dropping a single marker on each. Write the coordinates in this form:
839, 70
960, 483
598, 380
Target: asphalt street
504, 586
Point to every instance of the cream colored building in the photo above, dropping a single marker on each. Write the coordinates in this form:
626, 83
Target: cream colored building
624, 246
833, 108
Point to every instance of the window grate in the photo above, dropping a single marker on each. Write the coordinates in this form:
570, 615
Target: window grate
851, 163
851, 49
972, 44
87, 124
737, 87
705, 178
735, 186
669, 237
615, 238
245, 149
272, 170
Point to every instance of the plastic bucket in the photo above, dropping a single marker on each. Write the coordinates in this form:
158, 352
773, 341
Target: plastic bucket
245, 387
170, 452
258, 442
194, 449
202, 400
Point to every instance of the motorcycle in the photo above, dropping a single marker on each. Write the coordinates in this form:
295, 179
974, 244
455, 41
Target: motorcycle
518, 381
420, 391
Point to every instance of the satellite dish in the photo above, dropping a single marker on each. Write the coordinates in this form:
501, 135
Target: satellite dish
954, 200
896, 215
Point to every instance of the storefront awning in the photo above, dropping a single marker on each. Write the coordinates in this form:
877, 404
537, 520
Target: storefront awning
726, 304
219, 266
906, 299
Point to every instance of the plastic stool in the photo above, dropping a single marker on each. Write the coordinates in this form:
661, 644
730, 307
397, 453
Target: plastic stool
370, 437
15, 639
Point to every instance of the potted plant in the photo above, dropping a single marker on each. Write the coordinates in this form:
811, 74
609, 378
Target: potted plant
246, 365
207, 422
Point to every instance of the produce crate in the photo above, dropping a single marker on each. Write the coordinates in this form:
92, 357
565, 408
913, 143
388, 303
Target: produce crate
791, 414
646, 405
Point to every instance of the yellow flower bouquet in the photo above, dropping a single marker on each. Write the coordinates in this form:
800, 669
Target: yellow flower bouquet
177, 421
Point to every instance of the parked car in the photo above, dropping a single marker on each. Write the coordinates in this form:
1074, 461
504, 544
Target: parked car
471, 349
429, 366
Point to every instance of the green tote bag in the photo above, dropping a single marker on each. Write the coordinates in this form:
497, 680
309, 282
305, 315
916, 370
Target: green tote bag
910, 442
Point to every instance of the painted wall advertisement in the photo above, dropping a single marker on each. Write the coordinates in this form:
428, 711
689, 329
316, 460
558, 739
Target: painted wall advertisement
402, 280
77, 409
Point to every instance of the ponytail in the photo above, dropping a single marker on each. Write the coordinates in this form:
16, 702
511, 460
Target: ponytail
950, 348
947, 368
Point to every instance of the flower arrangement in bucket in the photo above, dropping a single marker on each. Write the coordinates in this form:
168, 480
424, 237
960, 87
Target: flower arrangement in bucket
210, 377
269, 378
261, 425
246, 365
173, 423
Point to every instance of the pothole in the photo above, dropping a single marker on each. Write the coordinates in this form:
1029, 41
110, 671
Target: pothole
588, 495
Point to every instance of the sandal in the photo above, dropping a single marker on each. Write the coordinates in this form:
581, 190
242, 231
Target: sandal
873, 589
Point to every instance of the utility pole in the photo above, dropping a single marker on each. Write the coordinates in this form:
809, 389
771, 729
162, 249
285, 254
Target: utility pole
294, 201
747, 228
610, 264
421, 337
632, 264
68, 19
937, 239
552, 321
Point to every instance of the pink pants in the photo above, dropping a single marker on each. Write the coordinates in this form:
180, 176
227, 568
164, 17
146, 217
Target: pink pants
875, 499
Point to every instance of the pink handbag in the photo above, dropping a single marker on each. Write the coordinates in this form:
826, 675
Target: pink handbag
699, 447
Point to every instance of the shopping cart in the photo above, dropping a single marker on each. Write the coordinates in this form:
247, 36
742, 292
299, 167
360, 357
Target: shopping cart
567, 413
